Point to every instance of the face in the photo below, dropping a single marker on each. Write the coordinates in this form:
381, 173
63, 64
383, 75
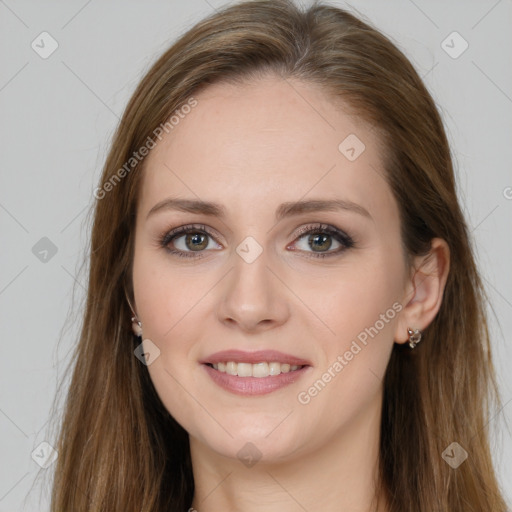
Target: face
274, 322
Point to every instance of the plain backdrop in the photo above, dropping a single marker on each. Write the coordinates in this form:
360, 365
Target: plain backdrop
59, 111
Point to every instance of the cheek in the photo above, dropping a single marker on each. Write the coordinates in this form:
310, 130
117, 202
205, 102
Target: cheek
167, 299
361, 310
357, 298
165, 293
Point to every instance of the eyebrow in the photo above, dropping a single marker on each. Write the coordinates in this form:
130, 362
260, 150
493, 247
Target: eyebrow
288, 209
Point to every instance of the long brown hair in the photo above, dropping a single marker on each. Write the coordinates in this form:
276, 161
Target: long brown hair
119, 448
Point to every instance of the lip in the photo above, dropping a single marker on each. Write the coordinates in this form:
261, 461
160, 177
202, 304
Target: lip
253, 386
259, 356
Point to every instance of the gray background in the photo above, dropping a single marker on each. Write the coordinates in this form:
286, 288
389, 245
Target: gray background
57, 118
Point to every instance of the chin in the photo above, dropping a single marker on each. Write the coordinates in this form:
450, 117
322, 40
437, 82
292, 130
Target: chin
250, 445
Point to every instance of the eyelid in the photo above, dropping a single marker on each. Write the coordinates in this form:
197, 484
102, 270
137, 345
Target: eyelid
314, 227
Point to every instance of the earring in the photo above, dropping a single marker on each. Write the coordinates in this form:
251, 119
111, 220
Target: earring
136, 326
414, 337
136, 323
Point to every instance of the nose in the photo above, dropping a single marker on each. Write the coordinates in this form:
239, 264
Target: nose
253, 298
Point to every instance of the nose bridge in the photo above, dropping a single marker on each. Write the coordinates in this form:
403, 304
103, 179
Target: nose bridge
253, 296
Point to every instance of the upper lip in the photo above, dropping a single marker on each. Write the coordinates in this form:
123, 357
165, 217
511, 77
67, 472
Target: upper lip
239, 356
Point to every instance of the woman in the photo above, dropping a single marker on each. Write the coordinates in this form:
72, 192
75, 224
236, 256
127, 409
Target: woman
283, 308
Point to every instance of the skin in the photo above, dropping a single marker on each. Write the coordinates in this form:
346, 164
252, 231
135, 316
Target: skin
251, 148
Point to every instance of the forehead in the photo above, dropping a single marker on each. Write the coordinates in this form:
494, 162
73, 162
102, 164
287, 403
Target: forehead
266, 142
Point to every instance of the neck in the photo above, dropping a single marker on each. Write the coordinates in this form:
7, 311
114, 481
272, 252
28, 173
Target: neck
337, 474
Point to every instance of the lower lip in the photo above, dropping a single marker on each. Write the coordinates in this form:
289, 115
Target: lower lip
253, 386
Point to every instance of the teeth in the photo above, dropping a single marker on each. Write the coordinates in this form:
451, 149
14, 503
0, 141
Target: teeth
231, 368
263, 369
244, 369
276, 368
258, 370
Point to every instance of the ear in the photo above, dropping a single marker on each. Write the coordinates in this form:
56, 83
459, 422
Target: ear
423, 293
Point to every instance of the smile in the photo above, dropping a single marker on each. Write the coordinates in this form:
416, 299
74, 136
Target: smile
258, 370
239, 382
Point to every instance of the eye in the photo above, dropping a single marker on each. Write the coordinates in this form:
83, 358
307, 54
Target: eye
191, 241
319, 238
187, 241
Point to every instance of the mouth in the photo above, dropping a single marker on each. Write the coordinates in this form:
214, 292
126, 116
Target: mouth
254, 373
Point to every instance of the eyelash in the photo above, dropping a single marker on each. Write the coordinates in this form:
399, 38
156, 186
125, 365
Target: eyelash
312, 229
